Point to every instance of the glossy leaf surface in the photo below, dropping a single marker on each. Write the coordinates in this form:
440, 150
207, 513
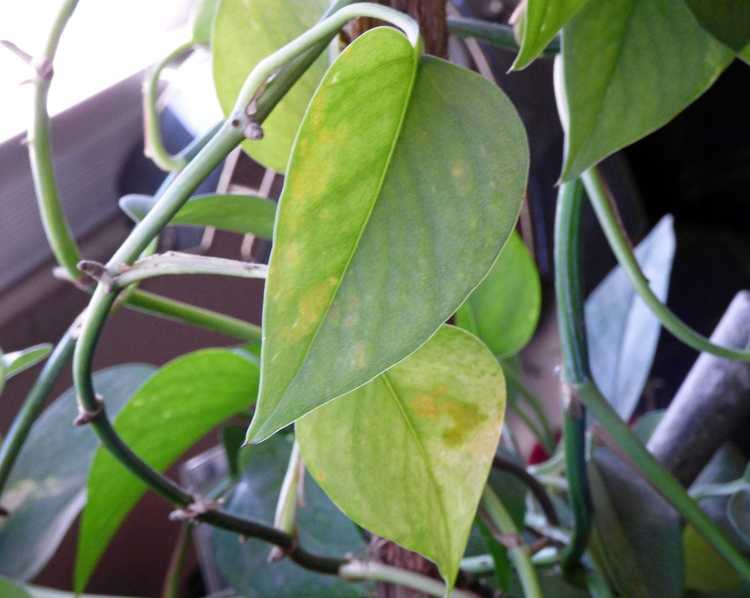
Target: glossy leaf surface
176, 406
322, 529
727, 20
622, 331
641, 535
380, 237
503, 311
16, 362
45, 492
407, 455
630, 66
245, 32
542, 21
244, 214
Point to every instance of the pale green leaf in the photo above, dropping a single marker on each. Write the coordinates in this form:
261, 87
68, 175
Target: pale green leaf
45, 492
504, 310
629, 67
622, 331
201, 20
727, 20
177, 406
245, 32
381, 235
322, 528
541, 22
244, 214
12, 364
11, 589
407, 455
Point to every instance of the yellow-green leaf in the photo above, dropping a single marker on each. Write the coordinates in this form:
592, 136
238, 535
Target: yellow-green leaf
245, 32
383, 229
407, 455
628, 68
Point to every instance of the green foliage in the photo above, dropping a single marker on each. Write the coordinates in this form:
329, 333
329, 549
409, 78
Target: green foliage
440, 411
320, 525
622, 331
727, 20
12, 364
45, 492
183, 401
245, 32
10, 589
202, 18
705, 570
504, 310
244, 214
541, 22
629, 67
394, 202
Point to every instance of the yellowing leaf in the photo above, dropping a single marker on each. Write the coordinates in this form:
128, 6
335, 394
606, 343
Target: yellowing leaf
395, 207
407, 455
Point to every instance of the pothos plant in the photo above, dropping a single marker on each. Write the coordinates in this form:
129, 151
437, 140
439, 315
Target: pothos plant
404, 179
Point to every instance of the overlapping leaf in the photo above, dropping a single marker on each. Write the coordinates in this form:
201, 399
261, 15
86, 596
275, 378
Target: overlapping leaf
244, 214
174, 408
629, 66
407, 455
504, 310
45, 492
727, 20
245, 32
383, 233
622, 331
542, 20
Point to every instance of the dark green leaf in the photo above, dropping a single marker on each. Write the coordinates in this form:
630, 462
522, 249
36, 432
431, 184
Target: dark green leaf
745, 54
419, 442
727, 20
45, 492
630, 66
245, 32
622, 331
244, 214
232, 438
499, 554
380, 237
322, 528
541, 22
177, 406
503, 311
640, 534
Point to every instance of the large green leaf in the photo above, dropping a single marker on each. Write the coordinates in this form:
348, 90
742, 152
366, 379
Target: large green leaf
622, 331
541, 22
244, 214
504, 310
245, 32
46, 488
629, 67
382, 234
322, 528
407, 455
727, 20
640, 533
178, 405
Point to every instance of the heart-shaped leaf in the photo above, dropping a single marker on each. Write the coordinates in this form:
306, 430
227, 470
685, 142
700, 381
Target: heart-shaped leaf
504, 310
622, 331
392, 213
244, 214
176, 406
407, 455
629, 67
322, 528
45, 492
727, 20
245, 32
541, 22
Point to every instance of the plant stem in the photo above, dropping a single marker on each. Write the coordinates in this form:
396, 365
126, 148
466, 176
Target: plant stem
285, 517
40, 153
643, 461
547, 438
495, 34
503, 522
575, 364
600, 200
171, 586
153, 145
374, 571
536, 489
33, 405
